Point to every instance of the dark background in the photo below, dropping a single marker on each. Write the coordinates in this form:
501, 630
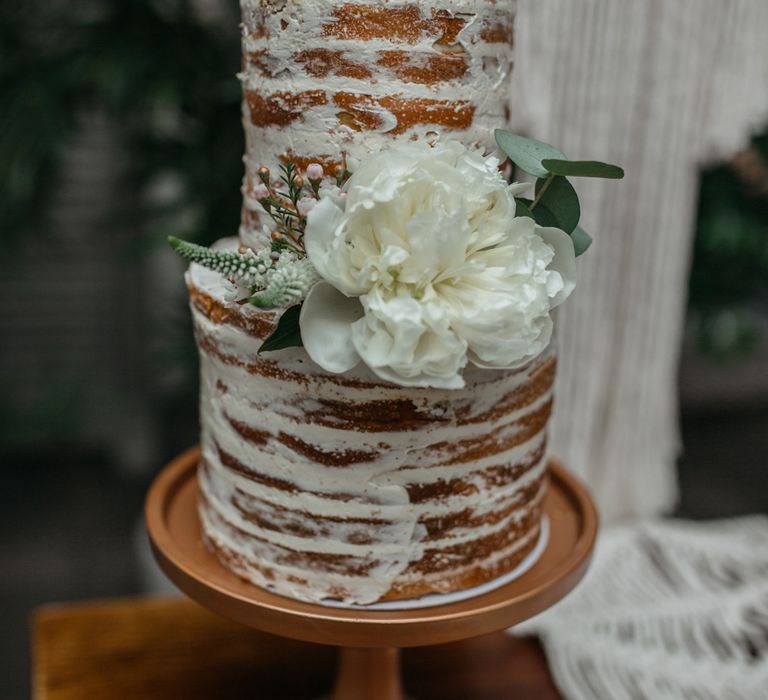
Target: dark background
119, 125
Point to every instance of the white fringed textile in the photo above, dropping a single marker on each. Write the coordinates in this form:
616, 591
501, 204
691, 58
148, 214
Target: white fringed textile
670, 610
658, 86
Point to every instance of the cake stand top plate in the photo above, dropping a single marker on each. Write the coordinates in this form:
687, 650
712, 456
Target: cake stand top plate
175, 534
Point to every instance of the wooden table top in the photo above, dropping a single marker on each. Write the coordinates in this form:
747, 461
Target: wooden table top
171, 648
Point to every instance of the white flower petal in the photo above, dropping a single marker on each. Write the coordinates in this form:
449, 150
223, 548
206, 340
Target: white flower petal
535, 347
564, 261
423, 381
410, 343
326, 327
325, 244
517, 188
322, 224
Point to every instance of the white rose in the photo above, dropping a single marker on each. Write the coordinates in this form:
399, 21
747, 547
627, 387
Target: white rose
426, 268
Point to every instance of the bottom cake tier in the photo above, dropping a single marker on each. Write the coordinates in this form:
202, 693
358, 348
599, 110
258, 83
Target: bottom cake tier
344, 487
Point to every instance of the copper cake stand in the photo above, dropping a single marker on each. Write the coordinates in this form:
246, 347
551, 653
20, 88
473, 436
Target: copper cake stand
369, 641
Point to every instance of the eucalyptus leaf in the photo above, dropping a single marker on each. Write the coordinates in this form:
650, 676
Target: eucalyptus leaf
541, 215
583, 168
581, 240
544, 217
287, 334
561, 201
523, 208
527, 154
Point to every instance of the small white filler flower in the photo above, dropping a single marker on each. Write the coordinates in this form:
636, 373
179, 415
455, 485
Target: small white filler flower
425, 268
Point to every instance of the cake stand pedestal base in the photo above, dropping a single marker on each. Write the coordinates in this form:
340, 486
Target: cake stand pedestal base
373, 674
369, 640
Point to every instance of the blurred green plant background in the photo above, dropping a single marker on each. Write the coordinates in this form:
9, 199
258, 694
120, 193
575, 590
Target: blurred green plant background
161, 79
729, 274
161, 74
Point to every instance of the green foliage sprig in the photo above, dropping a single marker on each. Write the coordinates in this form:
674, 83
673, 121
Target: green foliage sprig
273, 279
288, 199
245, 268
555, 201
288, 283
287, 334
279, 275
283, 205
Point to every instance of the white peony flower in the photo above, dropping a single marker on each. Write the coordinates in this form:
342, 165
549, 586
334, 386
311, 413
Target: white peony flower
426, 268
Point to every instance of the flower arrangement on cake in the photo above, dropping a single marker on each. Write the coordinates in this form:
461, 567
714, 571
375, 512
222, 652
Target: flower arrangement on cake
417, 261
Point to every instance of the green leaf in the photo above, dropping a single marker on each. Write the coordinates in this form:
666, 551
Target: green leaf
583, 168
561, 202
541, 215
287, 334
527, 154
523, 208
581, 240
544, 217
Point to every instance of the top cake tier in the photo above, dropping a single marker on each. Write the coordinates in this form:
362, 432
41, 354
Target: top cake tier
324, 80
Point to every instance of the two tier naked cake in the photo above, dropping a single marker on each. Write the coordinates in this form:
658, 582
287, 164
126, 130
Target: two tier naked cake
365, 481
